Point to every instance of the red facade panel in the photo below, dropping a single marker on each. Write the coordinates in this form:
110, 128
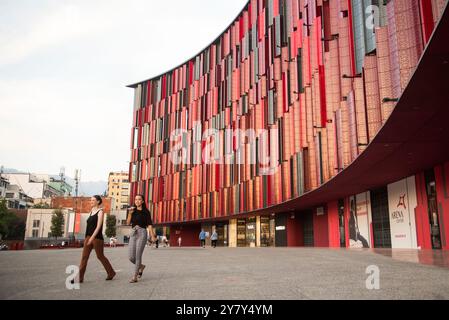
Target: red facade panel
294, 74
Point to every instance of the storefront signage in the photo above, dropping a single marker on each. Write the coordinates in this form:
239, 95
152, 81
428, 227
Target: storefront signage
401, 203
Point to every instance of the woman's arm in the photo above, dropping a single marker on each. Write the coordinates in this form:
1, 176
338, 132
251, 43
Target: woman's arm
151, 232
99, 224
128, 219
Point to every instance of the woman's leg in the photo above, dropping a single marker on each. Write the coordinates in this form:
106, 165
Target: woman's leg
141, 241
132, 248
99, 250
84, 258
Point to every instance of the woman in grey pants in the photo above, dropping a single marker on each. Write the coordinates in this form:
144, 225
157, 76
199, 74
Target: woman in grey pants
140, 220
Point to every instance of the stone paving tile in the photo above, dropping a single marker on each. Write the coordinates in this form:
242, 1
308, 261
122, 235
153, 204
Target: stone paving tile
222, 273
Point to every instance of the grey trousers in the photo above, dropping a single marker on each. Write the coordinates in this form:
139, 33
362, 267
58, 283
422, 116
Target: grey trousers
137, 243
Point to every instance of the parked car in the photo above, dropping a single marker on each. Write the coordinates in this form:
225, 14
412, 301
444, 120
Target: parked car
3, 247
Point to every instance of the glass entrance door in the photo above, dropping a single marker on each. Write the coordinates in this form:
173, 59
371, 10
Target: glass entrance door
281, 230
222, 232
433, 209
381, 218
251, 232
241, 233
308, 229
341, 222
266, 238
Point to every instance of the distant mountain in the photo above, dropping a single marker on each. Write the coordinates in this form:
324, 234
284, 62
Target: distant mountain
11, 170
86, 188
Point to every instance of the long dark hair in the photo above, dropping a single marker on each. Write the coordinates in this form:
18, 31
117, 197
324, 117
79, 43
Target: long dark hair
98, 198
144, 205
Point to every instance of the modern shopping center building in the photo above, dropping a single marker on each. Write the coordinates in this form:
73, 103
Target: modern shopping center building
305, 123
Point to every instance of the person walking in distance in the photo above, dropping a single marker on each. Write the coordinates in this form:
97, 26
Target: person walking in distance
94, 240
179, 241
140, 220
203, 238
214, 238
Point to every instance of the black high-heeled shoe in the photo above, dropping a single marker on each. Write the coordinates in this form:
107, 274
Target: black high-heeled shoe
141, 270
111, 276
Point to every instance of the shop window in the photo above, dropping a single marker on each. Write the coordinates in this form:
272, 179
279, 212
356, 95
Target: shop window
251, 232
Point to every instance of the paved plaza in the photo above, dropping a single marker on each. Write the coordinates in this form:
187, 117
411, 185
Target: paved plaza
223, 273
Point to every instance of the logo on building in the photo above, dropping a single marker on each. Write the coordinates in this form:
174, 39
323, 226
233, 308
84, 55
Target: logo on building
401, 202
398, 215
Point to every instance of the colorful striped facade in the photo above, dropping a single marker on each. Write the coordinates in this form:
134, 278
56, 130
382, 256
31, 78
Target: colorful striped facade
322, 77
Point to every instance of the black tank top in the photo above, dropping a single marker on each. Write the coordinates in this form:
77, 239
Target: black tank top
92, 225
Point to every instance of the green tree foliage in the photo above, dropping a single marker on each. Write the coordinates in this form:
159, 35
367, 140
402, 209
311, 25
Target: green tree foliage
41, 206
111, 223
10, 224
57, 224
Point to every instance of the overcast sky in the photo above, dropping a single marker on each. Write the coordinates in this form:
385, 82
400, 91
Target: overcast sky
64, 67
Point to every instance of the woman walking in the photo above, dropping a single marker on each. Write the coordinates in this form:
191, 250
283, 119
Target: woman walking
140, 220
94, 240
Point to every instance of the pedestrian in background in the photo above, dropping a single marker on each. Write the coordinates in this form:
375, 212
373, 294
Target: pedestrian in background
214, 238
203, 238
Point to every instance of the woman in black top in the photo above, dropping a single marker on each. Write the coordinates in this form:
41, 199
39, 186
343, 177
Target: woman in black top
94, 240
140, 219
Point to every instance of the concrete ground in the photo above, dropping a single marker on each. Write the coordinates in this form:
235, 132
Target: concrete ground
222, 273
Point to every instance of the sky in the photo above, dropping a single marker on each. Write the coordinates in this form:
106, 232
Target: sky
64, 67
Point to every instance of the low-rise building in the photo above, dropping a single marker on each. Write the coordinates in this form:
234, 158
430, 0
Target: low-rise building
4, 182
57, 183
16, 198
33, 185
38, 224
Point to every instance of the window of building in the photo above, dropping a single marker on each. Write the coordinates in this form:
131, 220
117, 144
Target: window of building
36, 223
35, 233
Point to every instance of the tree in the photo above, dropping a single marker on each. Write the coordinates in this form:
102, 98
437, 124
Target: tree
41, 205
7, 219
111, 223
57, 224
16, 230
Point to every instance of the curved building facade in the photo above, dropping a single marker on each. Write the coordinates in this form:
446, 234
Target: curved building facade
300, 126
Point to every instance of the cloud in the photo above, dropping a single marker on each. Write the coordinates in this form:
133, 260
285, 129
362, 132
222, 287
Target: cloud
58, 25
64, 67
